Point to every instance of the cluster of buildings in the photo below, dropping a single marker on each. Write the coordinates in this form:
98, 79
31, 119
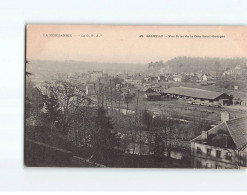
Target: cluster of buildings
222, 147
158, 87
238, 70
198, 77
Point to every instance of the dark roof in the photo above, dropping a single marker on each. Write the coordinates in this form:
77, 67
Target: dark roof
153, 94
192, 92
156, 84
238, 131
149, 90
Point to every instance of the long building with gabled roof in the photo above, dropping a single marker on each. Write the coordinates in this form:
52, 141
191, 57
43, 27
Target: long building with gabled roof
197, 94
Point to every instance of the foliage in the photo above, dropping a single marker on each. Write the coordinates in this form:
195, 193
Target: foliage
159, 147
195, 64
104, 140
34, 100
226, 84
62, 99
147, 119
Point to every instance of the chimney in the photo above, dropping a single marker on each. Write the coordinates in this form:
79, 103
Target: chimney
204, 136
225, 116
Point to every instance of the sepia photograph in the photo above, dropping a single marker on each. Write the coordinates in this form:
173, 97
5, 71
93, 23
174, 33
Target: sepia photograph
133, 96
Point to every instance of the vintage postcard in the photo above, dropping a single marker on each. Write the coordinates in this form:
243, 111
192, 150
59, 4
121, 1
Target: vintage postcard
136, 96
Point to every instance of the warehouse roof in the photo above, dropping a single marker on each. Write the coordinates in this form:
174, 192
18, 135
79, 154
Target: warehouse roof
193, 92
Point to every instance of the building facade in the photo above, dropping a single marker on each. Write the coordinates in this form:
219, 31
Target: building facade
151, 95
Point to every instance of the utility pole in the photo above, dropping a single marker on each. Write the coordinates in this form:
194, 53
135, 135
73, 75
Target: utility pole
137, 100
106, 98
119, 97
97, 95
102, 95
99, 92
115, 91
127, 100
111, 95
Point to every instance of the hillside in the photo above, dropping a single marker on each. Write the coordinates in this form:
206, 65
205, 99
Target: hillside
195, 64
47, 66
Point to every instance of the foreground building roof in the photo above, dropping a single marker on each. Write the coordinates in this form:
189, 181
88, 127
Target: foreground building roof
237, 129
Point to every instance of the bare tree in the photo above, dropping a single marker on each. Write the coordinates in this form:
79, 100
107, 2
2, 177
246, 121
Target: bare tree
68, 97
111, 94
136, 119
119, 97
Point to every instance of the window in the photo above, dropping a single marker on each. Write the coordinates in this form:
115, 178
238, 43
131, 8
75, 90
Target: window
208, 152
218, 153
228, 156
225, 139
242, 159
198, 150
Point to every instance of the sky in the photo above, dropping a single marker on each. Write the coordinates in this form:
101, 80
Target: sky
132, 44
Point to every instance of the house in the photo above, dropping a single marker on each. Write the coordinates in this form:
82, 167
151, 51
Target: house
146, 79
238, 67
177, 79
154, 79
151, 95
169, 77
149, 90
162, 78
156, 87
204, 77
223, 146
95, 75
